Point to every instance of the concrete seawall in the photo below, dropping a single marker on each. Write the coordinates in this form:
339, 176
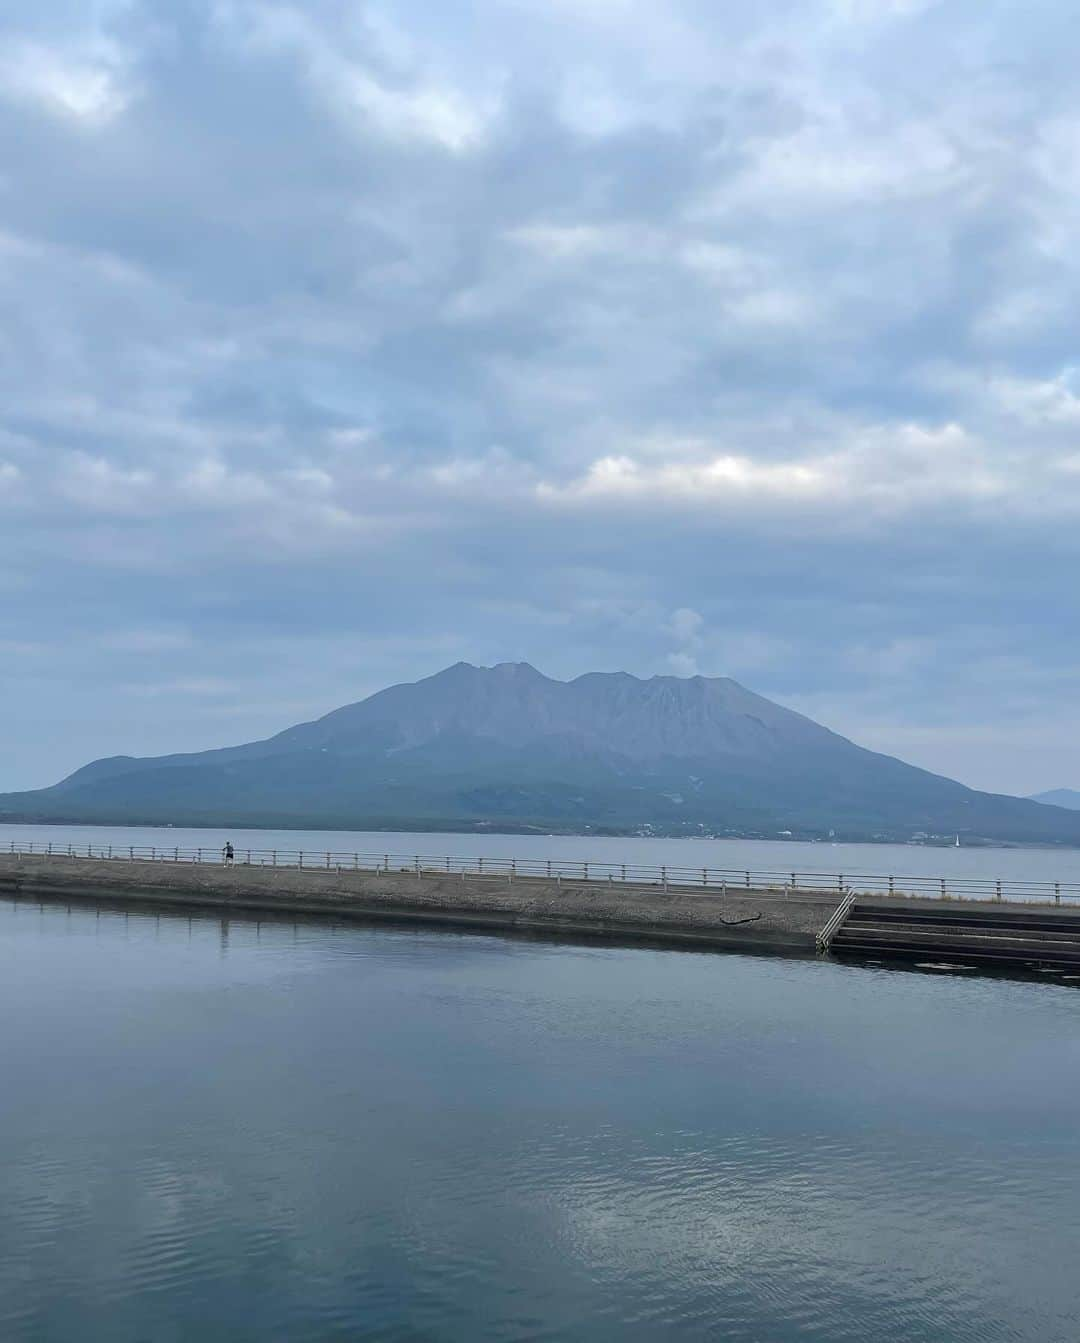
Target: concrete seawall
749, 920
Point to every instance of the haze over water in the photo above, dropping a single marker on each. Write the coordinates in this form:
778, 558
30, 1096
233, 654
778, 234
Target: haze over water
271, 1130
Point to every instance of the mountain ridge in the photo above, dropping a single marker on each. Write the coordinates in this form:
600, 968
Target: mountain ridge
475, 747
1069, 798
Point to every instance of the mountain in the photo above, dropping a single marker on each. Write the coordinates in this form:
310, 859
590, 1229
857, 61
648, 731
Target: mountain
1060, 797
507, 748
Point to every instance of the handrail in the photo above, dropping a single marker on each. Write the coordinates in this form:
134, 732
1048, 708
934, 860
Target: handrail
570, 870
835, 921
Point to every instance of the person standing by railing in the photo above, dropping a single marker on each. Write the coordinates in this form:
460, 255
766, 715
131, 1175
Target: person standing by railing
227, 853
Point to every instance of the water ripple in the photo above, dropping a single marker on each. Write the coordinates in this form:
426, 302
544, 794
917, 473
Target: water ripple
322, 1134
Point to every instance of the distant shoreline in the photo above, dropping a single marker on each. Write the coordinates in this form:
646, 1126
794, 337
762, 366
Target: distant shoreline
420, 827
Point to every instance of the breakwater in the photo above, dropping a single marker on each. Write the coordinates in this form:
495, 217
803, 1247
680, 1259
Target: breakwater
731, 918
666, 907
1036, 881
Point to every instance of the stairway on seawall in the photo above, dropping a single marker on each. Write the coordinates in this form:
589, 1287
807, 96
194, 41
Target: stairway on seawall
1009, 936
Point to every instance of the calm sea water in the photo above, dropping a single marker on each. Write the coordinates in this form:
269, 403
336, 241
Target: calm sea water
1023, 864
251, 1131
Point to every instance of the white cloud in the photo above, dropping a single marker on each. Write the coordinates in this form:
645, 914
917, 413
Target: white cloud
87, 87
94, 483
699, 482
372, 79
566, 242
1038, 402
840, 164
441, 115
771, 308
557, 316
877, 472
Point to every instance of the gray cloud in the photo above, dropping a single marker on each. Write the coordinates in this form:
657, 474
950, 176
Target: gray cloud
342, 340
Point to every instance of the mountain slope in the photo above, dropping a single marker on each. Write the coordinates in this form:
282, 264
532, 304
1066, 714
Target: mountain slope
506, 746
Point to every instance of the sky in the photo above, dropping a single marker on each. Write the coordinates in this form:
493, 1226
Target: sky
344, 340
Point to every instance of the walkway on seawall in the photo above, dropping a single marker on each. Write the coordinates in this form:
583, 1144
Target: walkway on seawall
753, 915
738, 918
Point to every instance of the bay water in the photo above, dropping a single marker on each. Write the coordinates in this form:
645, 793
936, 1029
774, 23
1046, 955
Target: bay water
250, 1130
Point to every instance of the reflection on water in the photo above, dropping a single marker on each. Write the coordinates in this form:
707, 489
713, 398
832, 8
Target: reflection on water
277, 1131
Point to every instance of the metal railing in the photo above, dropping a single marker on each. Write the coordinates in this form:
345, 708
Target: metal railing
572, 870
836, 921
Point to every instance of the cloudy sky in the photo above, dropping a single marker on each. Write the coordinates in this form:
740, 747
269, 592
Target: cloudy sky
346, 339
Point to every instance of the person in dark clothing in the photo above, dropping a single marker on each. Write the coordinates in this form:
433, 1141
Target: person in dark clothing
227, 853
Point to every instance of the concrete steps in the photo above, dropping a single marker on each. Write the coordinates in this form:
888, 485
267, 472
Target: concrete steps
991, 935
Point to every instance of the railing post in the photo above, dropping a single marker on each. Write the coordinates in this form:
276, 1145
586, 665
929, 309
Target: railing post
624, 871
585, 870
1057, 892
891, 890
416, 860
943, 888
663, 877
199, 858
794, 883
301, 864
273, 858
748, 881
997, 889
386, 862
840, 883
